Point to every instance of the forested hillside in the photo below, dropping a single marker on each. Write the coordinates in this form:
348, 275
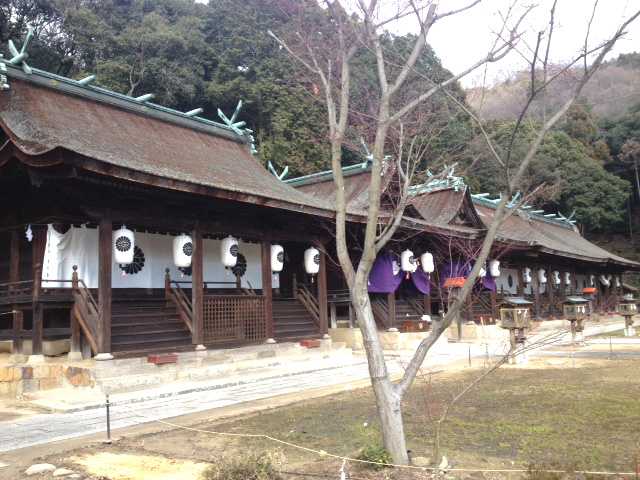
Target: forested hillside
212, 55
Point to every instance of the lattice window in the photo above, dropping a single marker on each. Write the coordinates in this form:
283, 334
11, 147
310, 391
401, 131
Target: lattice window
233, 318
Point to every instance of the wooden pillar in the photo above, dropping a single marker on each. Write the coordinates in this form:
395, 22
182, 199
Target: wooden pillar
322, 295
494, 306
75, 347
520, 283
535, 288
267, 290
18, 326
391, 302
550, 287
105, 260
14, 257
197, 288
39, 243
426, 299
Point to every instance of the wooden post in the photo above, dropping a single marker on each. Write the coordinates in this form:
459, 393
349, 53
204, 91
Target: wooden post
267, 290
391, 302
322, 295
494, 306
14, 257
18, 325
105, 260
197, 288
520, 282
294, 285
427, 303
39, 246
167, 283
75, 349
550, 287
535, 288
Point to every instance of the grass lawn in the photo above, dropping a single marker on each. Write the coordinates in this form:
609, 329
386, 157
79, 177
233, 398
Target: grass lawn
619, 333
586, 417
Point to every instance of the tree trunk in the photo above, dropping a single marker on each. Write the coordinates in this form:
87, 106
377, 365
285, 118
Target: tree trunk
388, 401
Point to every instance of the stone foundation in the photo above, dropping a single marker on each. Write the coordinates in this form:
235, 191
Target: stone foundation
20, 379
50, 348
475, 333
352, 338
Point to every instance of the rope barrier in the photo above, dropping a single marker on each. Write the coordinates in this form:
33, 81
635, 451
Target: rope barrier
344, 459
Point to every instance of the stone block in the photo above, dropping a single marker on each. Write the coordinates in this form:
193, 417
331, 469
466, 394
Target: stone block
41, 371
27, 373
50, 383
39, 469
267, 354
78, 377
55, 371
30, 386
6, 374
8, 389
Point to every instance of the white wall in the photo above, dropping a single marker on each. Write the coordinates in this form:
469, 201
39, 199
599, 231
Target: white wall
79, 246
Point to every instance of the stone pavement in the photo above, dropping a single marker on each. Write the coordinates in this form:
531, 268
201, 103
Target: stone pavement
137, 408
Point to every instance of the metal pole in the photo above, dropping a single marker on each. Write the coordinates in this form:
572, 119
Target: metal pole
469, 355
108, 405
610, 348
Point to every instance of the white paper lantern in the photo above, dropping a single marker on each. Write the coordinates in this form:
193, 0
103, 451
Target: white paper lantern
426, 260
494, 268
567, 278
526, 275
618, 282
604, 281
482, 273
123, 246
408, 261
312, 260
182, 251
229, 251
277, 258
542, 276
592, 280
556, 277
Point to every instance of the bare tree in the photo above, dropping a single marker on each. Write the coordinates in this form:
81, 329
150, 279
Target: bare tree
384, 119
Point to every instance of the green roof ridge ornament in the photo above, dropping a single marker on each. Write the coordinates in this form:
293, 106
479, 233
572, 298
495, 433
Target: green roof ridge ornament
87, 80
144, 98
237, 126
19, 57
280, 176
194, 112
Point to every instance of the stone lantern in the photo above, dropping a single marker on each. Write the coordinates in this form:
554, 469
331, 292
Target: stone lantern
515, 315
575, 310
628, 307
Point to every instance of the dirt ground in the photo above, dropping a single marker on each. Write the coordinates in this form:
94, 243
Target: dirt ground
552, 413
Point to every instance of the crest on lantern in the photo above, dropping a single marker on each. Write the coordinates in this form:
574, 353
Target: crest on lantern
526, 275
182, 251
605, 281
556, 277
277, 258
312, 260
123, 246
408, 262
567, 278
229, 251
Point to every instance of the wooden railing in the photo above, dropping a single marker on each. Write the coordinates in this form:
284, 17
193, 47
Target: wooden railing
381, 311
176, 295
85, 310
234, 318
16, 292
310, 302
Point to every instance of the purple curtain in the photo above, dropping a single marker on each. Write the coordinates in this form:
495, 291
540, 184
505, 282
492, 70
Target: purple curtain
452, 270
382, 278
421, 281
489, 283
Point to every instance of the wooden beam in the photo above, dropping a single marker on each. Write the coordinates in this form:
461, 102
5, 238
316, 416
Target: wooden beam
267, 290
76, 334
197, 286
105, 259
39, 244
520, 281
322, 294
550, 287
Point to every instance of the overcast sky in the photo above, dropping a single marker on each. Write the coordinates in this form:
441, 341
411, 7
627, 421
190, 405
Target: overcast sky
464, 38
